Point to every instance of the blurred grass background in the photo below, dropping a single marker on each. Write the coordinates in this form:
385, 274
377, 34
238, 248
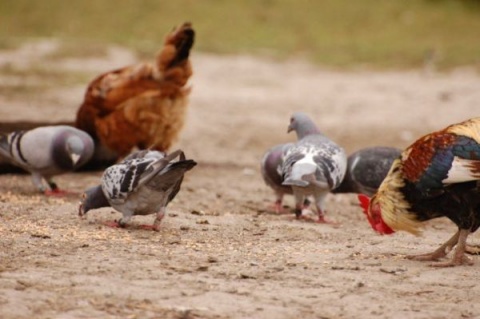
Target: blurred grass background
337, 33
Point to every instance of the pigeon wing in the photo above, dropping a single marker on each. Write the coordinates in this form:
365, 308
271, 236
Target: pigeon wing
170, 178
120, 180
332, 163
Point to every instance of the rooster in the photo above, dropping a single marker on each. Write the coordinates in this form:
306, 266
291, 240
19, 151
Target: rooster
142, 105
437, 176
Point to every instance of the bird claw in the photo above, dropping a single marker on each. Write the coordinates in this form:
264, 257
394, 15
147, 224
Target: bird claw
113, 224
472, 249
322, 220
59, 193
150, 227
277, 209
436, 255
455, 261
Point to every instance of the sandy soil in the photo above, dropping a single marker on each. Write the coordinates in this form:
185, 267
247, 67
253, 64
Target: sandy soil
221, 253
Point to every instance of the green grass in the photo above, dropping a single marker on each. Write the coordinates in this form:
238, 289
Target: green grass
36, 80
339, 33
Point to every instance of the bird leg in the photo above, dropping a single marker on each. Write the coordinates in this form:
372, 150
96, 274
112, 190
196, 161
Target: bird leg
277, 206
58, 192
113, 224
441, 252
156, 223
55, 191
321, 215
121, 223
38, 182
459, 257
306, 203
323, 220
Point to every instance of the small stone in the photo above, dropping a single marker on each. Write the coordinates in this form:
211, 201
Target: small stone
202, 268
212, 259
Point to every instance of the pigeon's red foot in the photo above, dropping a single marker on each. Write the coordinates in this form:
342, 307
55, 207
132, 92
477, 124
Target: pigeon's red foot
305, 218
150, 227
57, 192
323, 220
277, 208
113, 224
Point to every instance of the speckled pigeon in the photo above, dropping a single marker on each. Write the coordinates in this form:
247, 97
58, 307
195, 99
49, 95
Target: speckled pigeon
271, 169
366, 169
142, 184
313, 166
47, 151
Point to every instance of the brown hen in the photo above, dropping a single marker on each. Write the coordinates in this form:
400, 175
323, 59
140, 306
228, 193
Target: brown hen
142, 105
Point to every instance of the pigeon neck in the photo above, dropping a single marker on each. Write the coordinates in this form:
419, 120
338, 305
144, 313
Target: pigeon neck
307, 130
95, 198
61, 149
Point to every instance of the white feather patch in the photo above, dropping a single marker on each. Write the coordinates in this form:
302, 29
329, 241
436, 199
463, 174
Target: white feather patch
462, 170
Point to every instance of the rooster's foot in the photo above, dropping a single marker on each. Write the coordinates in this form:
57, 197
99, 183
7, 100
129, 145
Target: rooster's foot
472, 249
455, 261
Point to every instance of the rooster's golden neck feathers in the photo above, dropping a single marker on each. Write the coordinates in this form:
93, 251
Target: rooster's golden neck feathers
469, 128
394, 207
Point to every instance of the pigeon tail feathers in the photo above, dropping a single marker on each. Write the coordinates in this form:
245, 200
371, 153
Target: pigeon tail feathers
301, 174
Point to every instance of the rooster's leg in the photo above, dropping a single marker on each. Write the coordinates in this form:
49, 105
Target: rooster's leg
441, 252
459, 257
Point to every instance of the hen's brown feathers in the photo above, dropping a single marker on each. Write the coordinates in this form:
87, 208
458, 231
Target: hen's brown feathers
141, 105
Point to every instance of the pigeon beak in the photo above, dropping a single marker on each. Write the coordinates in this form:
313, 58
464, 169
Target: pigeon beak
290, 128
75, 158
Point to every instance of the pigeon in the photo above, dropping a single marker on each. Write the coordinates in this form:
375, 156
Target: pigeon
142, 184
271, 169
366, 169
313, 166
47, 151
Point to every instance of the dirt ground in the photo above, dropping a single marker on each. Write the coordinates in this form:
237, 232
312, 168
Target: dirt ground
221, 253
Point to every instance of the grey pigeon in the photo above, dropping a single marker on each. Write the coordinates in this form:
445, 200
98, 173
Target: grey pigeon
142, 184
47, 151
271, 169
313, 166
366, 169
